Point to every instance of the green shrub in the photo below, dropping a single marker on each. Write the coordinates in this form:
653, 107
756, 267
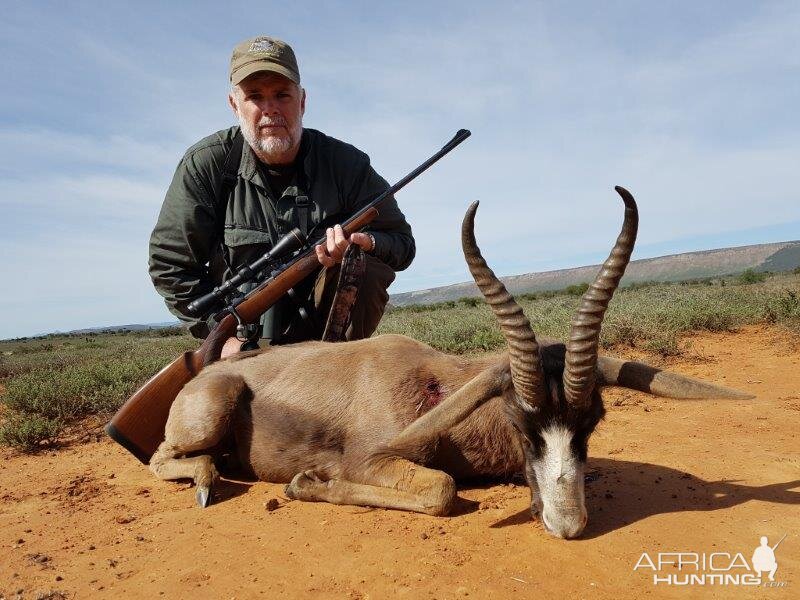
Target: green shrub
750, 276
29, 432
78, 390
579, 289
526, 297
169, 331
664, 345
471, 301
638, 285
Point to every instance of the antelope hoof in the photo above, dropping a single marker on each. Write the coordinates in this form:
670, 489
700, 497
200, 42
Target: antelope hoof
203, 495
205, 477
306, 485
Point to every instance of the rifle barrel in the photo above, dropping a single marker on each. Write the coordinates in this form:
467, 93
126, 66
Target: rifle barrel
459, 137
248, 272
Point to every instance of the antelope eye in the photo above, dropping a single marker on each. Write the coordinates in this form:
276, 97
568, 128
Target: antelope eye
524, 437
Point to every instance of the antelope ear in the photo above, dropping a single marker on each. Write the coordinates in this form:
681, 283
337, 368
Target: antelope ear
511, 399
644, 378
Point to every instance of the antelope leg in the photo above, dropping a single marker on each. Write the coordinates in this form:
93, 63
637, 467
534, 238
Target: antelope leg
391, 483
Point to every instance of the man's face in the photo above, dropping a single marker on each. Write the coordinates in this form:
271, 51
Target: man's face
270, 110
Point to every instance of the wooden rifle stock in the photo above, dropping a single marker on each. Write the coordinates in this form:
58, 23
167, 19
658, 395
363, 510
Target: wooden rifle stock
139, 424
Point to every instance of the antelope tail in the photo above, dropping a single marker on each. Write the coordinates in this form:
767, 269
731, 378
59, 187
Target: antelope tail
644, 378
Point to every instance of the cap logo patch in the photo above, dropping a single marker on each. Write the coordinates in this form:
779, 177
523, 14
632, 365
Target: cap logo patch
264, 46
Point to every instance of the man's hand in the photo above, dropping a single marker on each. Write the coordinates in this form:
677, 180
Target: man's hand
231, 346
330, 253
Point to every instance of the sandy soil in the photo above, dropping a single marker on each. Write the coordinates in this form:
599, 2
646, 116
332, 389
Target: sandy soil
665, 476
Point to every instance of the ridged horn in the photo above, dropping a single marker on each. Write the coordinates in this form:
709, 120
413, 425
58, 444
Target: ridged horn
581, 358
644, 378
526, 366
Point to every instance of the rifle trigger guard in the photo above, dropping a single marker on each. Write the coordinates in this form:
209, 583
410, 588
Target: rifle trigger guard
245, 332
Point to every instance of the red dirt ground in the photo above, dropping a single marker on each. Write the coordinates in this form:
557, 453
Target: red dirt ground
694, 476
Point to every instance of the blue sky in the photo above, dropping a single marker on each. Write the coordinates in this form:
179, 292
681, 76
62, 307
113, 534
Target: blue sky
692, 106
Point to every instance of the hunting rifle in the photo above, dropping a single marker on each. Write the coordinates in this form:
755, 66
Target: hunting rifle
139, 424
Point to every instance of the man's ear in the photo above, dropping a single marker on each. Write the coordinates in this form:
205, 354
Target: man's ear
233, 105
303, 103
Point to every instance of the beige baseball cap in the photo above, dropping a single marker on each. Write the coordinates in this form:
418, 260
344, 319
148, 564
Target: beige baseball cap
263, 53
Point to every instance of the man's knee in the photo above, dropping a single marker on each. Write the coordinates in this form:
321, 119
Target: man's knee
378, 276
371, 300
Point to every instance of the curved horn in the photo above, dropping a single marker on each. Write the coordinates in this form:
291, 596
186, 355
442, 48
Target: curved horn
644, 378
526, 366
581, 357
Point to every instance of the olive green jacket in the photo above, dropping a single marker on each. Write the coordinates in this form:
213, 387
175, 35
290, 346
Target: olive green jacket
186, 257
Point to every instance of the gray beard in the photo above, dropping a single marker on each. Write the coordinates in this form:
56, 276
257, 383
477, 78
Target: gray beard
272, 149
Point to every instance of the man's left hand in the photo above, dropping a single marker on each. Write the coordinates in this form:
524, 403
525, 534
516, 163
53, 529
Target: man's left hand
330, 253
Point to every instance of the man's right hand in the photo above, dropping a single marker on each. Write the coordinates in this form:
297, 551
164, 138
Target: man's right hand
232, 346
330, 252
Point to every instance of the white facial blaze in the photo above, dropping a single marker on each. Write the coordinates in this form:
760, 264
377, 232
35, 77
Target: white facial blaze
559, 475
559, 465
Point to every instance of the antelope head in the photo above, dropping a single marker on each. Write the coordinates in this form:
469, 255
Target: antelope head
555, 404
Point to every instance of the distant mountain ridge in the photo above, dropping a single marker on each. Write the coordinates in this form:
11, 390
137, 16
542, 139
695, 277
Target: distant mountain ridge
775, 257
131, 327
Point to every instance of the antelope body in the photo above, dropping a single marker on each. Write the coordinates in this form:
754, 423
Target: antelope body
391, 422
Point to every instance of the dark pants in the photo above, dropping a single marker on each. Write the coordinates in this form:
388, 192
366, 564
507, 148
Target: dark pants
315, 295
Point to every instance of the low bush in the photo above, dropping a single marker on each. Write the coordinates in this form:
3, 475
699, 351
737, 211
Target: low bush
750, 276
579, 289
29, 432
48, 384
